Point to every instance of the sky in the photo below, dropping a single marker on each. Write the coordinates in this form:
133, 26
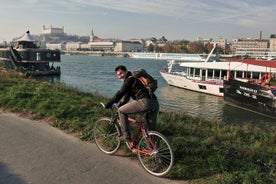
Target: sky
136, 19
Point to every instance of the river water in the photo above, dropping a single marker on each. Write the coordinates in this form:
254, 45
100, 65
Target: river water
95, 74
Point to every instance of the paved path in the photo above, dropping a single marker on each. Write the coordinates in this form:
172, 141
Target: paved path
36, 153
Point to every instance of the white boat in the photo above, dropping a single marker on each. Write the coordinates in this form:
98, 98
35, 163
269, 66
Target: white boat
168, 56
207, 77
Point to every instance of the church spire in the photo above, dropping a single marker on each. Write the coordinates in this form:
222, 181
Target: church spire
92, 36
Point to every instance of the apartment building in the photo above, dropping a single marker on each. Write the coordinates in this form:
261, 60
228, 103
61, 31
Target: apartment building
221, 42
250, 47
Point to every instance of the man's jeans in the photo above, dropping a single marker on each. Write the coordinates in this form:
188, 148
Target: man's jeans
144, 105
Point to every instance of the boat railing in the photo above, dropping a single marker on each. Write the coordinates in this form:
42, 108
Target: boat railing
215, 80
181, 73
197, 78
208, 79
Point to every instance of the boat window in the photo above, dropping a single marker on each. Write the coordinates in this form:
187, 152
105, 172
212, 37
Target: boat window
255, 75
223, 73
202, 87
221, 90
262, 74
210, 73
239, 74
217, 72
197, 72
192, 71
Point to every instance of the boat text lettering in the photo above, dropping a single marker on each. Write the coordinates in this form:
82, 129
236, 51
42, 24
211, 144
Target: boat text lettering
249, 89
246, 94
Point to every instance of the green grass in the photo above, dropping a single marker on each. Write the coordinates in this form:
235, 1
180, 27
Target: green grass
205, 151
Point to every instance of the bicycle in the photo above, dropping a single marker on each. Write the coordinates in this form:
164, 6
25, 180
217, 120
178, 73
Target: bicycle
153, 149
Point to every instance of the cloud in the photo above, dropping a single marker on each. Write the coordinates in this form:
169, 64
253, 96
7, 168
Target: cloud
195, 11
190, 16
234, 11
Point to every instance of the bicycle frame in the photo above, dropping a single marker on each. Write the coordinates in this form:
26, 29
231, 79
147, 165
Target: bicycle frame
141, 130
153, 149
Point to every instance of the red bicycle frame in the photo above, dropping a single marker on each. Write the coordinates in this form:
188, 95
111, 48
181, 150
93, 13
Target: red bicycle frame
141, 130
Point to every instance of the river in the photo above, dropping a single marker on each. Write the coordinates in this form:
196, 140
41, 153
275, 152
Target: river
95, 74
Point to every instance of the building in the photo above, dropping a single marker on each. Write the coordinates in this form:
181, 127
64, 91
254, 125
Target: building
250, 47
150, 41
96, 44
72, 46
222, 43
55, 46
77, 46
204, 40
101, 46
53, 30
128, 46
3, 44
272, 43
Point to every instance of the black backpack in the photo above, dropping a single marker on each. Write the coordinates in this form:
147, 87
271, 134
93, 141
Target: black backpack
147, 80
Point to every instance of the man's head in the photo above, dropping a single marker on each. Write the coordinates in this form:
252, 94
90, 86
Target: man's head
121, 72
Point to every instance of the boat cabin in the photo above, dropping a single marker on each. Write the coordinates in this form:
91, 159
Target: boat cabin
25, 55
219, 71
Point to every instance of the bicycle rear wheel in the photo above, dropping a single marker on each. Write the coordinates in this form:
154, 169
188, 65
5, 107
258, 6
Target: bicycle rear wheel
160, 160
106, 135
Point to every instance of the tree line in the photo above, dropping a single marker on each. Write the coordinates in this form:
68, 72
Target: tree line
185, 46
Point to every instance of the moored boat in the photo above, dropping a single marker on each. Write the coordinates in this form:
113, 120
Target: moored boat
168, 56
257, 95
196, 77
207, 77
24, 55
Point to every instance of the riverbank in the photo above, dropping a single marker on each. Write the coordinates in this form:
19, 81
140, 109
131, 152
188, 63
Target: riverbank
205, 151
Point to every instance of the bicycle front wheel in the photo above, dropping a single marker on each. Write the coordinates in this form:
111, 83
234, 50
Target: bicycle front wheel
106, 135
159, 158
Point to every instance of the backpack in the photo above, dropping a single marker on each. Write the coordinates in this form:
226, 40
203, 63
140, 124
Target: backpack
147, 80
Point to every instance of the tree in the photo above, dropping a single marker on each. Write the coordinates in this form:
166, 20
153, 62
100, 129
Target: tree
150, 48
168, 48
196, 47
183, 46
157, 48
209, 47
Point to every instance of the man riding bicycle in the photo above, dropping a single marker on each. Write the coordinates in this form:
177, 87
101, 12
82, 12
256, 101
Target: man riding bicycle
143, 101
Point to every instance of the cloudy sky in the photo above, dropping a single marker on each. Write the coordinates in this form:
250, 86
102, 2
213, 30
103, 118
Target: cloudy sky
127, 19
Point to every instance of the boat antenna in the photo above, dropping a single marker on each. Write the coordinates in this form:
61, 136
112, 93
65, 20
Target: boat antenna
209, 55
